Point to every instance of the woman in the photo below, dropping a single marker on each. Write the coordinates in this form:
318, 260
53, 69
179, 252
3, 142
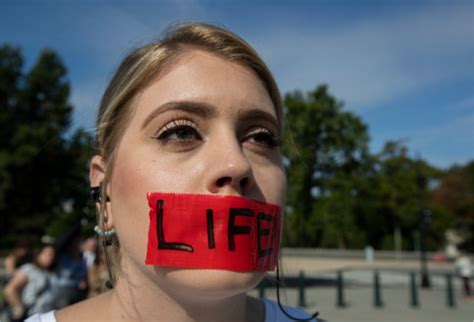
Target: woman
20, 255
186, 121
32, 288
464, 268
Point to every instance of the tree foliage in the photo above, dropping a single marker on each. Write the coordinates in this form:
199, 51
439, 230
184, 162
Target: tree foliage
42, 172
455, 195
325, 150
392, 196
340, 195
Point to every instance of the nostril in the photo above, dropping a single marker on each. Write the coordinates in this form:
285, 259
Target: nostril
223, 181
244, 182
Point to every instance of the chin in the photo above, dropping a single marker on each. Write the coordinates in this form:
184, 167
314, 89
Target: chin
210, 283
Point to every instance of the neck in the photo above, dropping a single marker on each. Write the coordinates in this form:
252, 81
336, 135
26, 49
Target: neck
137, 298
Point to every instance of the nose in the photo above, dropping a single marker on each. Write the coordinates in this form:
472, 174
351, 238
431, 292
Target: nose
229, 172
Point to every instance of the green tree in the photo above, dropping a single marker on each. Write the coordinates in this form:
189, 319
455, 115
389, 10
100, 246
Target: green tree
35, 156
11, 63
392, 197
455, 195
325, 151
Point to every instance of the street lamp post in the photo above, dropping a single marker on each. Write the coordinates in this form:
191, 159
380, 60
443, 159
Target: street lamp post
424, 221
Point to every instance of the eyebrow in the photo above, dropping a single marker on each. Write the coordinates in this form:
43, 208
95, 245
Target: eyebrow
207, 110
258, 114
197, 108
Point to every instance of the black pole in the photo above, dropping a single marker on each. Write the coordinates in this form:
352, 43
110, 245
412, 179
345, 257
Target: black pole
425, 281
425, 219
413, 290
450, 300
377, 291
340, 290
301, 297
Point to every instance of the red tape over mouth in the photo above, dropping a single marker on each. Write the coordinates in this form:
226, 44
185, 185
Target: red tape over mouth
212, 232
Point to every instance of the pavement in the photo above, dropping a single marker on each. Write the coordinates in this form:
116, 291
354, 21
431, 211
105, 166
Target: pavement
320, 291
359, 305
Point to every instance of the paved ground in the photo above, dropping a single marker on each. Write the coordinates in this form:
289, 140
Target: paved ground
394, 276
396, 307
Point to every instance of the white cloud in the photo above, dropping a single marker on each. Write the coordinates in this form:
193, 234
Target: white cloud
376, 60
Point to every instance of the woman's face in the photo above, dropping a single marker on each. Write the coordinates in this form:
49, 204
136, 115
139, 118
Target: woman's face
46, 257
207, 126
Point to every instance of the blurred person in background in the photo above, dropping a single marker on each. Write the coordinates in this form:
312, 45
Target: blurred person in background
89, 251
71, 273
20, 255
32, 288
464, 267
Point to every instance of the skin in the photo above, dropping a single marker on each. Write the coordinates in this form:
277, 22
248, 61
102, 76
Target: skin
10, 261
224, 148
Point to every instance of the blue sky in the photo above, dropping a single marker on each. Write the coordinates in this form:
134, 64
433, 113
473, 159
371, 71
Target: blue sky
405, 67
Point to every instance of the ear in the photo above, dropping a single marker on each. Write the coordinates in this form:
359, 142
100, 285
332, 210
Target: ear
96, 176
96, 171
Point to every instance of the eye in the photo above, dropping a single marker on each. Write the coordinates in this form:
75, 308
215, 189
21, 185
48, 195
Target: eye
263, 137
178, 131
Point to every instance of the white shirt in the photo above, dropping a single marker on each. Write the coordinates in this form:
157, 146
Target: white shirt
464, 266
39, 292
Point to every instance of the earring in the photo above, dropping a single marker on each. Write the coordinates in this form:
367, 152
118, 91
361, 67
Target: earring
104, 233
96, 194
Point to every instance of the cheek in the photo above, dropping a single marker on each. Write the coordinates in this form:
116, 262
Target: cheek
130, 182
271, 181
133, 177
151, 171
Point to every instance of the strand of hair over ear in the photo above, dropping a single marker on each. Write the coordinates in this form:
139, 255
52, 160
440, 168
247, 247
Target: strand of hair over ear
109, 284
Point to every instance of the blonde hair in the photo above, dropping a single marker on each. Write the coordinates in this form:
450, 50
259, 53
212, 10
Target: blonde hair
146, 63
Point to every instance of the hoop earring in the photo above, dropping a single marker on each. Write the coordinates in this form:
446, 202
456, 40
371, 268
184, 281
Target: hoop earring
96, 196
104, 233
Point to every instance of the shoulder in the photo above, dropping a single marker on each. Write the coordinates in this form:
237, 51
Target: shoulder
27, 268
273, 312
46, 317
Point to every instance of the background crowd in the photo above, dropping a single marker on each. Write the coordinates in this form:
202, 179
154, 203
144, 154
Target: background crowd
51, 276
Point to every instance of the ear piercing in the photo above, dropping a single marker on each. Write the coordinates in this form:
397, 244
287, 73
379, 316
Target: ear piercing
106, 233
96, 194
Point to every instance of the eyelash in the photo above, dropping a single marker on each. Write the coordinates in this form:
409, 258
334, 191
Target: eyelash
173, 127
269, 139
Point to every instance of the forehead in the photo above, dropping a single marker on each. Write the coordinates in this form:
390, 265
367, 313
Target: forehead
204, 77
47, 249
